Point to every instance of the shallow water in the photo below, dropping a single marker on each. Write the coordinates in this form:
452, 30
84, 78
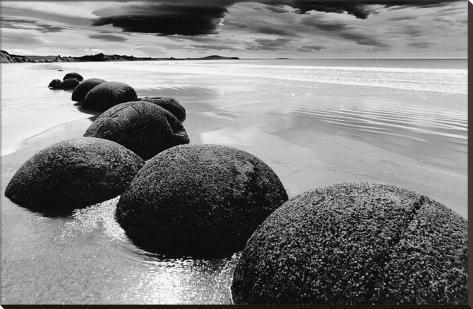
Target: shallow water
314, 122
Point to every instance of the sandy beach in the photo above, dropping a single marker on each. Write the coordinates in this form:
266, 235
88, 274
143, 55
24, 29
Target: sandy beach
314, 123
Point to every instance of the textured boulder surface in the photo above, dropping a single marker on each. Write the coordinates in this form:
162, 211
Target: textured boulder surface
73, 173
73, 75
356, 243
70, 83
143, 127
55, 84
199, 200
108, 94
83, 88
169, 104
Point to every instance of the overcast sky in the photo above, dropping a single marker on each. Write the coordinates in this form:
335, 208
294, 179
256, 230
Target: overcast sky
247, 29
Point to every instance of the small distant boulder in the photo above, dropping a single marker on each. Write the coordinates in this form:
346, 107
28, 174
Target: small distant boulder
140, 126
356, 243
169, 104
69, 83
84, 87
199, 200
73, 75
108, 94
55, 84
73, 173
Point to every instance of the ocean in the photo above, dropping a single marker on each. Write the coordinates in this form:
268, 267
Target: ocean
315, 122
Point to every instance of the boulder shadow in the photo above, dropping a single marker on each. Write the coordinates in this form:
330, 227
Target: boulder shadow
50, 212
81, 109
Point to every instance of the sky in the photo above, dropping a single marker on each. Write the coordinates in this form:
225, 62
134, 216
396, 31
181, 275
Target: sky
307, 29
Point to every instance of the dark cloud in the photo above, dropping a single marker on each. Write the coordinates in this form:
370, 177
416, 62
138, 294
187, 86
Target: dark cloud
279, 8
195, 17
213, 46
325, 24
342, 30
419, 44
268, 29
28, 24
260, 28
402, 18
236, 24
108, 37
165, 19
269, 44
412, 31
310, 48
363, 39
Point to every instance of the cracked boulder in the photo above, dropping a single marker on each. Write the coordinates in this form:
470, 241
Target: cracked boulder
199, 200
140, 126
356, 243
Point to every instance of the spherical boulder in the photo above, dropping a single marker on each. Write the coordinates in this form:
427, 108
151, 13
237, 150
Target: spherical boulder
84, 87
73, 75
140, 126
198, 200
356, 243
69, 84
108, 94
73, 173
55, 84
169, 104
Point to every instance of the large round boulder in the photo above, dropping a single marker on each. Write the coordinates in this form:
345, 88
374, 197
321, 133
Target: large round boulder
143, 127
83, 88
169, 104
73, 75
55, 84
73, 173
199, 200
108, 94
69, 84
356, 244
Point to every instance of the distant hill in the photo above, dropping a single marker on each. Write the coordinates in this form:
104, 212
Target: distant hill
9, 58
216, 57
5, 57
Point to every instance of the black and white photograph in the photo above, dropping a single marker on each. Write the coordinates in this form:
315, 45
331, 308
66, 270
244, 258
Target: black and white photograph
234, 152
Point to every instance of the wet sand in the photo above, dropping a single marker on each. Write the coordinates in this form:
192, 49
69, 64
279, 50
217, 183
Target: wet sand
311, 134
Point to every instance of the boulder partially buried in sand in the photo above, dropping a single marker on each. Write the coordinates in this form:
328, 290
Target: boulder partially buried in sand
83, 88
169, 104
55, 84
73, 75
108, 94
69, 84
143, 127
356, 244
73, 173
199, 200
